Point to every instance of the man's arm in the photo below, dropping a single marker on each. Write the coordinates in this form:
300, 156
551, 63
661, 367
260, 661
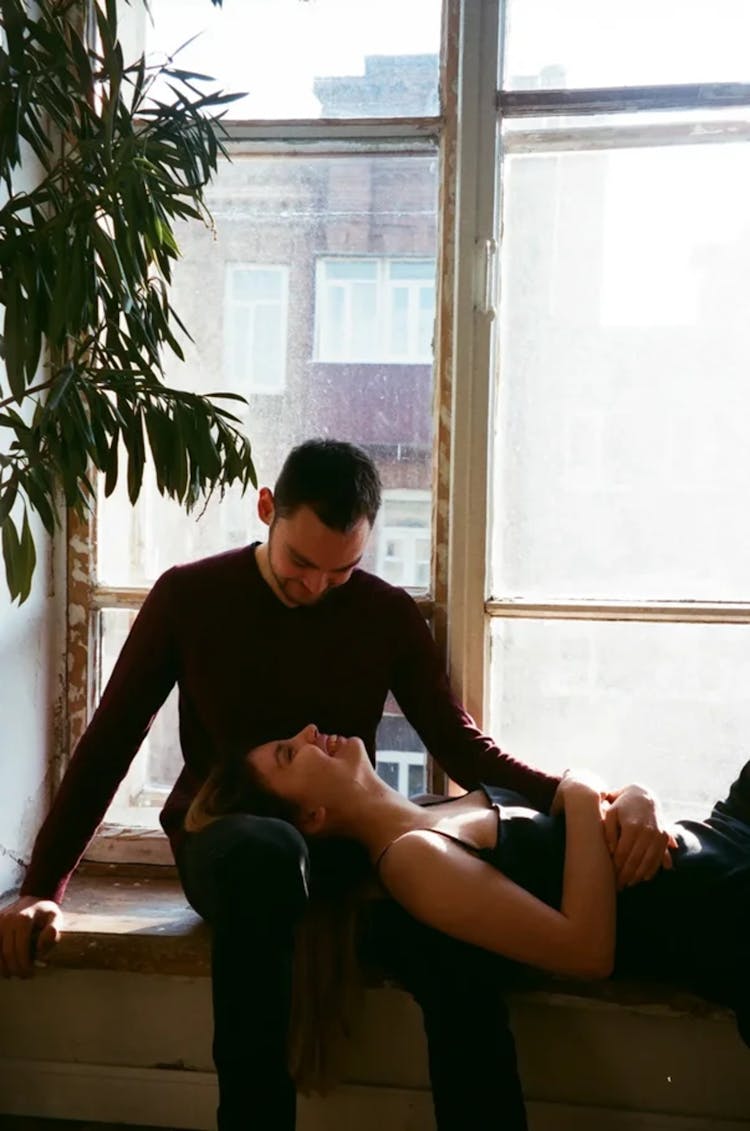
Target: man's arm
141, 680
634, 827
420, 685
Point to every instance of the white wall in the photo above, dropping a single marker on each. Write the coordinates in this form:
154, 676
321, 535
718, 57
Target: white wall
31, 657
30, 701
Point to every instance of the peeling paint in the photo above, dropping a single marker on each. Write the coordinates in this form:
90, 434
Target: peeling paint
13, 856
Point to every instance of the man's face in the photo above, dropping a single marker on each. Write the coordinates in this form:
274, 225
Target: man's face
307, 559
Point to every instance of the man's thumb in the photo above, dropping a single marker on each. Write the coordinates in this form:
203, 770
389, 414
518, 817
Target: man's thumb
48, 934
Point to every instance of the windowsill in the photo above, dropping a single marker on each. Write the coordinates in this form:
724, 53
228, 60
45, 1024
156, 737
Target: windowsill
129, 844
136, 918
131, 917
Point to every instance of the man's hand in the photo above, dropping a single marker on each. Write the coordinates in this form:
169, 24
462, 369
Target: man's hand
636, 835
29, 928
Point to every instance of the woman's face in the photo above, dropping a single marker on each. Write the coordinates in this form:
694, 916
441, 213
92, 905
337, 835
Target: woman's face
311, 769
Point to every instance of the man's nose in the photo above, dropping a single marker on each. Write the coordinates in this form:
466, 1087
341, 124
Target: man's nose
316, 582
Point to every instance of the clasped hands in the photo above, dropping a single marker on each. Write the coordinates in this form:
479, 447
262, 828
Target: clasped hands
634, 829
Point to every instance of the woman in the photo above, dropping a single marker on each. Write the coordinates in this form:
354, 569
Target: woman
443, 863
487, 869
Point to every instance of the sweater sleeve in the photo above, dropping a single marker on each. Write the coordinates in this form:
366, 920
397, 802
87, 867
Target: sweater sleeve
143, 676
420, 685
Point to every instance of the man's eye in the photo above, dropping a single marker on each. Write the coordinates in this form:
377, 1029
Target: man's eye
288, 753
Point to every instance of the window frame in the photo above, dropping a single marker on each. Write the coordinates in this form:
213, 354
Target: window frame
473, 110
384, 287
232, 307
86, 598
487, 107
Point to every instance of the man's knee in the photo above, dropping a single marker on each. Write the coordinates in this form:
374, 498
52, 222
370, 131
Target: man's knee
249, 868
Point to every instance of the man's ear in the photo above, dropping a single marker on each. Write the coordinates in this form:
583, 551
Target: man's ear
266, 508
312, 822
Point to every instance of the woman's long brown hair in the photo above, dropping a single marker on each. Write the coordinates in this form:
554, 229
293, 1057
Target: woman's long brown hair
327, 982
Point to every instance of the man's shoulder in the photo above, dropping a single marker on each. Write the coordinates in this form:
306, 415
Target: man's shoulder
366, 586
222, 569
367, 593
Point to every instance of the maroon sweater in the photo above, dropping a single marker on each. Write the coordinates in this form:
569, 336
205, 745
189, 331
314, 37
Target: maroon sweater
250, 669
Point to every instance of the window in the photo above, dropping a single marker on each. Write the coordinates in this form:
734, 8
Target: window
614, 628
298, 201
375, 310
403, 538
532, 308
255, 313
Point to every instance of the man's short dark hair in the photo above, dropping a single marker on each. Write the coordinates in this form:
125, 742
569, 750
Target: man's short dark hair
337, 480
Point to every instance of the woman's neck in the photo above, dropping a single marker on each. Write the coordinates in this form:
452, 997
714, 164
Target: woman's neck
375, 815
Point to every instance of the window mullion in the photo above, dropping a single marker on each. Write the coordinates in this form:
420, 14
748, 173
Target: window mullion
472, 353
674, 612
623, 100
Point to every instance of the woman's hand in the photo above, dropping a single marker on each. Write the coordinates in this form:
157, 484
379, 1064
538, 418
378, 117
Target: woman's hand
636, 835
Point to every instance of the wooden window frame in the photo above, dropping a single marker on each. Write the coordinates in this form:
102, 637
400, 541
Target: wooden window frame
86, 597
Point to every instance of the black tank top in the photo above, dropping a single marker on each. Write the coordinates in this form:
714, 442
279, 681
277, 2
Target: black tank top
530, 846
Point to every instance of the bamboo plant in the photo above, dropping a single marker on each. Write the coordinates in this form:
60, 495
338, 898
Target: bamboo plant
86, 259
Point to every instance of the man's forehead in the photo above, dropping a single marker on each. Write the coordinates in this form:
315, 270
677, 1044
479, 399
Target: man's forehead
317, 545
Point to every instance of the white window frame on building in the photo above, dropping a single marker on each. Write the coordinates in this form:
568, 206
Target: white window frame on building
343, 297
400, 532
241, 318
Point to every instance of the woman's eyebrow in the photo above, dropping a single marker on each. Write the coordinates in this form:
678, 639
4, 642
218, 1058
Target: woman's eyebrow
279, 752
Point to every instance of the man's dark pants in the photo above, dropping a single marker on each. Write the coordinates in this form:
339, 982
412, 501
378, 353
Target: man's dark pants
248, 877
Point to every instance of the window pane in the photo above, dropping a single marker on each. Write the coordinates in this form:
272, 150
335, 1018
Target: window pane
402, 536
361, 269
601, 43
287, 212
622, 467
255, 328
401, 758
413, 269
664, 704
329, 59
379, 310
152, 774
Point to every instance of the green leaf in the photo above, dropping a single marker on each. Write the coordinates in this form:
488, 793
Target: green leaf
12, 558
27, 551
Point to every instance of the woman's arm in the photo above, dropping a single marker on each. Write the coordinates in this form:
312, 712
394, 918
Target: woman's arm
448, 888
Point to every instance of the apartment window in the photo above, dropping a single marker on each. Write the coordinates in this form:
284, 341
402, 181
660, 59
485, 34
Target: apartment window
403, 538
255, 327
375, 310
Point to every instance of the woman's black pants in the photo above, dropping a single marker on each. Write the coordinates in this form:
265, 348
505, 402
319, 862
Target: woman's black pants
249, 878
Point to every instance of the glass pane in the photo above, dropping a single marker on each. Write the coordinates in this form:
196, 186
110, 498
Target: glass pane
402, 537
350, 269
388, 771
622, 466
401, 758
607, 43
248, 283
389, 414
413, 269
154, 771
663, 704
329, 59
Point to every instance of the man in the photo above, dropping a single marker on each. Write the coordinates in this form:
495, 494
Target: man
260, 641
